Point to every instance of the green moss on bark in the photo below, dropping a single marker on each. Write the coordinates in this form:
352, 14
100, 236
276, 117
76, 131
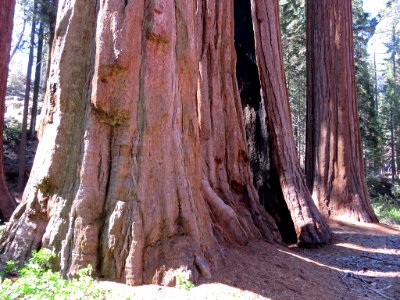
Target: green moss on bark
157, 38
113, 119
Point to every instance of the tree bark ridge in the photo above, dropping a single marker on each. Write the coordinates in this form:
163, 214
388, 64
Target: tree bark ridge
7, 201
311, 228
334, 163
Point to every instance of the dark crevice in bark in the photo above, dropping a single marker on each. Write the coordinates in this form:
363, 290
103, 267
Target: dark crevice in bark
104, 214
265, 177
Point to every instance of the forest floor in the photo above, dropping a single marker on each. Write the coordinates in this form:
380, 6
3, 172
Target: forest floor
363, 262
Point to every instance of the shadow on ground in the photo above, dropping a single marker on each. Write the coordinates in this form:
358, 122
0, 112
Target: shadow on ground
362, 263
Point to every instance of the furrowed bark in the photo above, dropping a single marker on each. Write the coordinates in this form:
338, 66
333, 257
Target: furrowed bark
311, 228
42, 218
334, 164
133, 184
51, 13
226, 173
265, 178
7, 202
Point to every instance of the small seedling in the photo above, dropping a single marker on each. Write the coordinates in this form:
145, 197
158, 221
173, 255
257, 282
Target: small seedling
183, 283
10, 268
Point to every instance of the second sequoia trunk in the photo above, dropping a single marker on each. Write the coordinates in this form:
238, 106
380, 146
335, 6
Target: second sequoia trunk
334, 164
311, 228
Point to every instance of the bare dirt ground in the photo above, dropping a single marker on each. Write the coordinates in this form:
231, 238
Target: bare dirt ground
363, 262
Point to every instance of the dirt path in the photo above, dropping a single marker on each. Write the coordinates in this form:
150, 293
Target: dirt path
362, 263
365, 257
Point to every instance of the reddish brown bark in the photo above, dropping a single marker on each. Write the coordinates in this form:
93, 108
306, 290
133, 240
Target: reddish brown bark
311, 228
142, 168
334, 164
7, 202
265, 178
226, 177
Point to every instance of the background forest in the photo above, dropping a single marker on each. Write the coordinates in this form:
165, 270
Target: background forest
376, 54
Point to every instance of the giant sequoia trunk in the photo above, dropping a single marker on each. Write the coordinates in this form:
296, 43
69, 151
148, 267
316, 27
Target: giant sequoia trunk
311, 228
142, 166
334, 164
7, 202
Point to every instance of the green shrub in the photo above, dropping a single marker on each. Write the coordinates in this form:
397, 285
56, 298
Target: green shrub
385, 197
10, 268
37, 281
16, 84
182, 282
12, 133
396, 190
380, 186
387, 209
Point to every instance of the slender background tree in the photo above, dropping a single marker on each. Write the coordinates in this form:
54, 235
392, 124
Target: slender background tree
293, 28
24, 133
311, 228
370, 129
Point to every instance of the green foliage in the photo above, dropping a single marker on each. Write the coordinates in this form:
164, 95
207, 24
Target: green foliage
44, 10
387, 209
389, 108
10, 268
38, 281
370, 129
16, 84
293, 28
385, 199
380, 186
11, 133
182, 282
